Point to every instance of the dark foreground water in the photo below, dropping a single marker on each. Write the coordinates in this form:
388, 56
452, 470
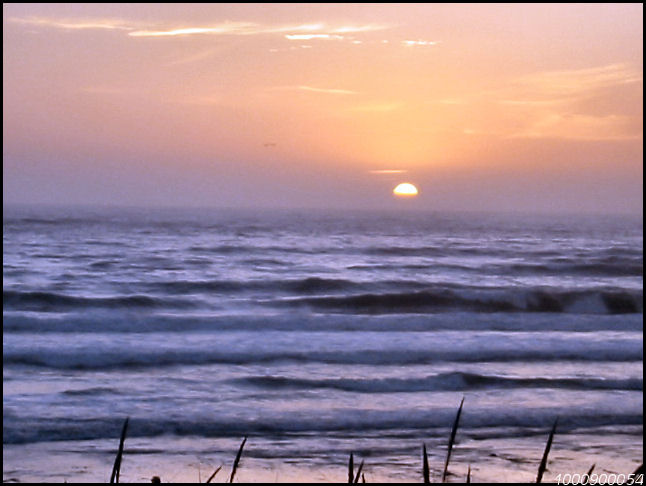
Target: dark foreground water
316, 334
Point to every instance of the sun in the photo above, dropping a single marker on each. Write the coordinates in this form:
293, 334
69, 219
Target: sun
405, 189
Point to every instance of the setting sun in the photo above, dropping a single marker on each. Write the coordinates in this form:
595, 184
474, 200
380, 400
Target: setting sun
405, 189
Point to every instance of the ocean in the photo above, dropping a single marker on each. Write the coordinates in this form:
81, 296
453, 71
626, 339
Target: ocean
318, 334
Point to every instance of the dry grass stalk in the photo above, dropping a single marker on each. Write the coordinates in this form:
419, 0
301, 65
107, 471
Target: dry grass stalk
548, 446
425, 469
213, 475
451, 441
237, 461
356, 478
117, 462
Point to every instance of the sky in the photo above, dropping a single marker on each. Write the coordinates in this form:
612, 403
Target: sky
495, 107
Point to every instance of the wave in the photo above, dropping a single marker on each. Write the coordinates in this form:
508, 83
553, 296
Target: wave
596, 268
94, 391
594, 301
109, 359
456, 381
306, 285
604, 262
53, 220
414, 423
250, 249
51, 301
105, 321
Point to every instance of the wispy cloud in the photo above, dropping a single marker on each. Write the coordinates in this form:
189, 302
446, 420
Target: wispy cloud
419, 43
305, 31
325, 90
575, 81
351, 29
312, 36
579, 127
75, 24
231, 28
387, 171
575, 104
534, 102
296, 28
292, 32
334, 91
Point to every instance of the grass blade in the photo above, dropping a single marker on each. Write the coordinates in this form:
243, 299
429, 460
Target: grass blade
237, 461
590, 470
351, 469
213, 475
469, 474
425, 469
356, 478
117, 462
451, 441
548, 446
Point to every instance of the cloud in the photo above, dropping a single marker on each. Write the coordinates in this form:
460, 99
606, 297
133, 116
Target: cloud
351, 29
575, 81
579, 127
231, 28
312, 36
75, 24
533, 102
577, 104
313, 30
297, 28
325, 90
387, 171
419, 43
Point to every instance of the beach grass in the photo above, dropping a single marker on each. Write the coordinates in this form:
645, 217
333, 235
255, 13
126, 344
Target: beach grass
213, 475
425, 469
543, 466
354, 477
454, 431
114, 478
236, 463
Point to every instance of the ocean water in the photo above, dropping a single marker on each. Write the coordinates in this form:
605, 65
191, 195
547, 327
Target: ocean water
316, 334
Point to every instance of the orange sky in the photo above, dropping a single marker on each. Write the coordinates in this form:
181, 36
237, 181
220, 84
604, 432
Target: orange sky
483, 106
